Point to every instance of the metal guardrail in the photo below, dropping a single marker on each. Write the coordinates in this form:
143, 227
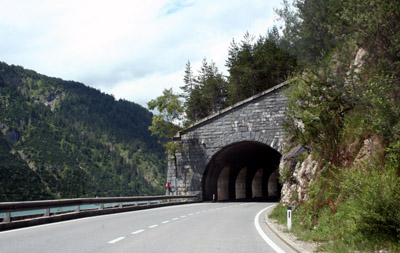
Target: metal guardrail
116, 204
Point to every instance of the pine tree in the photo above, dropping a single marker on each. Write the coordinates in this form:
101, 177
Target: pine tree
205, 93
188, 79
255, 67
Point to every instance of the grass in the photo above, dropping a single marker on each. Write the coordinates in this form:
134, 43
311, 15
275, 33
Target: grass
365, 220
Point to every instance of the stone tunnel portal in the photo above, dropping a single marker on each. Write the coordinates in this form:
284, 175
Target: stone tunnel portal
243, 170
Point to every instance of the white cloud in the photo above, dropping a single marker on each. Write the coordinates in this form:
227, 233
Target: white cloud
132, 49
138, 90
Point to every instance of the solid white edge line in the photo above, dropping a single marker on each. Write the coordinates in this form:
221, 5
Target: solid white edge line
262, 233
116, 240
137, 232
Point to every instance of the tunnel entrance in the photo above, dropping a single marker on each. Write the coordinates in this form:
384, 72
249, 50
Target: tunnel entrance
243, 170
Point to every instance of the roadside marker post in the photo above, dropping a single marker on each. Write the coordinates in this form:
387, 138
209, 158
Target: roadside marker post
289, 218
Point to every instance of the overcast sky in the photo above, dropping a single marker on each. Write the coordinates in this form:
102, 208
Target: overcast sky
132, 49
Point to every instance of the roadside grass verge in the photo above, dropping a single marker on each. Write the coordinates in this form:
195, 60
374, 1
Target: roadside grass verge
365, 216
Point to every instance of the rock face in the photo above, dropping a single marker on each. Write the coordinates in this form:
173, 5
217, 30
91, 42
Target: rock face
297, 169
52, 99
371, 145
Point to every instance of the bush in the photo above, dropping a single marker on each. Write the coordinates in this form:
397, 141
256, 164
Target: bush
372, 204
366, 214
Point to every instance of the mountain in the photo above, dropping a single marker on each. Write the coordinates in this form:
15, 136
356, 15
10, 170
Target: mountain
62, 139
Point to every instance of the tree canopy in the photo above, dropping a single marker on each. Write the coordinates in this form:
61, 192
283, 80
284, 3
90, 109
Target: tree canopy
166, 123
254, 65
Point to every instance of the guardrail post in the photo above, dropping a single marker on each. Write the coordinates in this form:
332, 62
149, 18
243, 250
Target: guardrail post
148, 203
7, 217
47, 212
120, 205
101, 207
136, 203
78, 209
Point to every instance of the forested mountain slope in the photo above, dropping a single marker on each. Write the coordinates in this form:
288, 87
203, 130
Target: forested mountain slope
62, 139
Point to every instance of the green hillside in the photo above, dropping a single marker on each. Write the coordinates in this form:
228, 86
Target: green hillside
62, 139
344, 109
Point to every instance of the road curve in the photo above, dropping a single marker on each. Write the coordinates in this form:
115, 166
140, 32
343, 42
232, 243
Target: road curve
204, 227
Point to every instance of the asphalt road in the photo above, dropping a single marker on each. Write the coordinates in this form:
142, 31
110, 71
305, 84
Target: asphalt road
205, 227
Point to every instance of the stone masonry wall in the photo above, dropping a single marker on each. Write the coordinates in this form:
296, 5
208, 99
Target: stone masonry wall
259, 118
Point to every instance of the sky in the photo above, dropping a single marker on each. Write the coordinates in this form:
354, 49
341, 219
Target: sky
132, 49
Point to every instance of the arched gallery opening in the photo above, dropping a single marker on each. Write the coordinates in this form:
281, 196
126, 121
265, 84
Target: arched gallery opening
243, 170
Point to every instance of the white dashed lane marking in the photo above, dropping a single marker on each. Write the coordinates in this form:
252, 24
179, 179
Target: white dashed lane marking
167, 221
138, 231
116, 240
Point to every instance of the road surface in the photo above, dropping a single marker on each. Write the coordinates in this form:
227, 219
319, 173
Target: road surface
205, 227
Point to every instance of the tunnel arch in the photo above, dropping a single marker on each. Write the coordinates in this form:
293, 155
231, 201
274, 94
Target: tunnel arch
241, 170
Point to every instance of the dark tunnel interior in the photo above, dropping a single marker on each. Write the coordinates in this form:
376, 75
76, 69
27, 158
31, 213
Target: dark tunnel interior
243, 170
